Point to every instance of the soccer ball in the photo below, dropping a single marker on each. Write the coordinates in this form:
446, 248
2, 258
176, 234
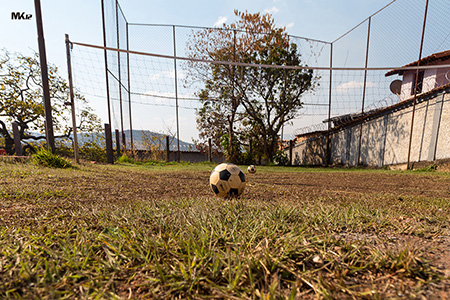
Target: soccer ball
251, 169
227, 180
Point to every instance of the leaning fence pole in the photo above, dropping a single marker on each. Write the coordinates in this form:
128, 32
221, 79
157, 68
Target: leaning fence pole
49, 135
415, 87
72, 101
105, 53
176, 94
119, 71
364, 92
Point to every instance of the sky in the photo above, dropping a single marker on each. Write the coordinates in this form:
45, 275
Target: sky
317, 19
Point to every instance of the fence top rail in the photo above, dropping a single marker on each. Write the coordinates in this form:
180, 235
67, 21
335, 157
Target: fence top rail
231, 63
219, 28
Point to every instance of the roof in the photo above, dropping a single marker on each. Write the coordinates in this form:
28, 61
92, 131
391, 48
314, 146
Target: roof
440, 56
376, 112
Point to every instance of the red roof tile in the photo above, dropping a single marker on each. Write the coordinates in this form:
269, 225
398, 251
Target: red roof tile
444, 55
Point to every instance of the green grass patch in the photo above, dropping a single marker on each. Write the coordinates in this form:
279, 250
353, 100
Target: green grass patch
46, 158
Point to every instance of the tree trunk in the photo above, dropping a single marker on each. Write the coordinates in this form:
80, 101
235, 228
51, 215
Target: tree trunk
266, 148
232, 155
9, 141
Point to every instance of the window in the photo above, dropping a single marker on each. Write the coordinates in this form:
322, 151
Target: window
419, 82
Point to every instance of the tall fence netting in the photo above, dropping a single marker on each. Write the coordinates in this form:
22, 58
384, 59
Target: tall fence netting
146, 90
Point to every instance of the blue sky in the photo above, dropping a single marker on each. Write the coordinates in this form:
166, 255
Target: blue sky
318, 19
81, 19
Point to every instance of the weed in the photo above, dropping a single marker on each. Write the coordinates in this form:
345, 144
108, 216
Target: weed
46, 158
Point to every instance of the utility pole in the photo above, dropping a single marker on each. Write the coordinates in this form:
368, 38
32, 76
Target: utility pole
44, 74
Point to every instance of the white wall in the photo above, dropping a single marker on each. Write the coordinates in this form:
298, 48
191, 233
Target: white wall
385, 139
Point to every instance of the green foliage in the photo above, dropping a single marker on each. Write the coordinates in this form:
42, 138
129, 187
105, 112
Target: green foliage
281, 158
91, 150
21, 100
124, 159
46, 158
233, 148
64, 148
431, 168
248, 101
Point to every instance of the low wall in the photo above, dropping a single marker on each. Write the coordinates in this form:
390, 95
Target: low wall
385, 137
190, 156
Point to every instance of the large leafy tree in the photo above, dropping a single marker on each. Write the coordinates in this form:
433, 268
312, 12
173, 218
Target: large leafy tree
256, 101
21, 101
220, 106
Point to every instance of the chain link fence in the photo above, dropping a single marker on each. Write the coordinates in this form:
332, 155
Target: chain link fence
155, 92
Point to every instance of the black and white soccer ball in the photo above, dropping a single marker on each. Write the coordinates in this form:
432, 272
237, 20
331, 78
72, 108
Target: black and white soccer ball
227, 180
251, 169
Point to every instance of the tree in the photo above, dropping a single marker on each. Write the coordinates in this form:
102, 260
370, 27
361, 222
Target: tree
263, 99
219, 113
21, 101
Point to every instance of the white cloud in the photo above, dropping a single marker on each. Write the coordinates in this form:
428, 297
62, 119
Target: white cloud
290, 25
220, 21
351, 85
272, 10
162, 74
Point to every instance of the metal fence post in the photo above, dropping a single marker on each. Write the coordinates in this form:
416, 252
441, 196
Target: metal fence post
117, 143
45, 83
129, 91
105, 54
17, 145
328, 140
119, 75
364, 92
72, 101
415, 88
176, 94
109, 150
124, 142
167, 149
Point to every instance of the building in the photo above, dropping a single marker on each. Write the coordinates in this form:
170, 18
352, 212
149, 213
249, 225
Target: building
428, 79
381, 137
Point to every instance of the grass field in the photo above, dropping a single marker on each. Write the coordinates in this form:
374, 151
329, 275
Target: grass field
135, 231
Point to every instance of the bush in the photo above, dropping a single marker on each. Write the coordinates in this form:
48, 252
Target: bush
281, 158
91, 150
46, 158
128, 160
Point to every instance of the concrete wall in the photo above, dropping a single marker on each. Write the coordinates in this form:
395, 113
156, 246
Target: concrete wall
385, 138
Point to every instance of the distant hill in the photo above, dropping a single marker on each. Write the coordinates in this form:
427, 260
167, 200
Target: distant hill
139, 137
139, 140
